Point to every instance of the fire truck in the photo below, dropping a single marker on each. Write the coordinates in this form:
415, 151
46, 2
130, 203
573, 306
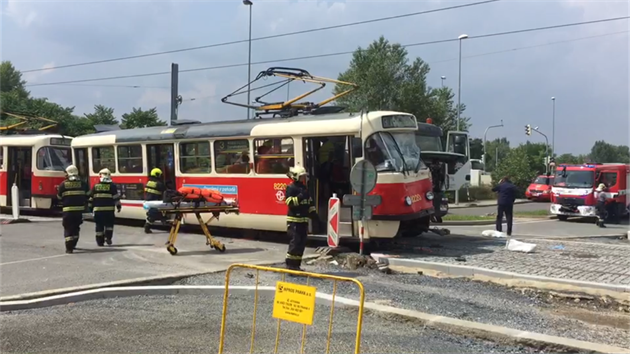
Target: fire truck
574, 187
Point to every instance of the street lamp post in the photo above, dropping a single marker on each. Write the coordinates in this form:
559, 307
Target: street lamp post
553, 127
483, 157
459, 96
443, 78
459, 85
249, 61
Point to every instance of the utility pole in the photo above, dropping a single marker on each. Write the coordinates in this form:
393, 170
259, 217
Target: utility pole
175, 98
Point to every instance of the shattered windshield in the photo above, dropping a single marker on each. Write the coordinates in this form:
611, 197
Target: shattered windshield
574, 179
395, 152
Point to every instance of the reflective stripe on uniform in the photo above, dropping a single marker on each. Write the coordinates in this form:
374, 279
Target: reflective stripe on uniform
73, 208
103, 195
297, 219
104, 208
297, 258
311, 209
71, 238
100, 233
67, 193
152, 191
293, 200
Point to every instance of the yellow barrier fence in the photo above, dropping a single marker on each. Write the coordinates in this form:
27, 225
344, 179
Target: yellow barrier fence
292, 302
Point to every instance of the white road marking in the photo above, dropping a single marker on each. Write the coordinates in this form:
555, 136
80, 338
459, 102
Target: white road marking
34, 259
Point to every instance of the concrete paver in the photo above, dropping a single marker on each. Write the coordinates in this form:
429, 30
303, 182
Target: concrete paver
32, 257
600, 263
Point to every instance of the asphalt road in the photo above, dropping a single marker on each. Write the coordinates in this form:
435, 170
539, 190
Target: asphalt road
33, 258
191, 324
482, 210
458, 298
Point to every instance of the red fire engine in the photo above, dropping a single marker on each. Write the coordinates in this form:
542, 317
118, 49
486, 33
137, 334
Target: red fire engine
574, 186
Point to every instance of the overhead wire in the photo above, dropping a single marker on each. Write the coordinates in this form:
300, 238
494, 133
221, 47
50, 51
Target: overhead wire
319, 29
227, 66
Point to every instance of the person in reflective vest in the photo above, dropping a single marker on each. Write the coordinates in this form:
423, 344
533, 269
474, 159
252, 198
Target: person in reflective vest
103, 199
153, 190
300, 210
73, 196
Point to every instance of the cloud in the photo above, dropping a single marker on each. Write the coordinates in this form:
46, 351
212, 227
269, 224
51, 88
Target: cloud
588, 76
20, 12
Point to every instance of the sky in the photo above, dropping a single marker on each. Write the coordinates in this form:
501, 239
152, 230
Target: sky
510, 78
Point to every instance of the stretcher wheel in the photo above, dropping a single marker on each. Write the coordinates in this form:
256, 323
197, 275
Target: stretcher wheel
172, 250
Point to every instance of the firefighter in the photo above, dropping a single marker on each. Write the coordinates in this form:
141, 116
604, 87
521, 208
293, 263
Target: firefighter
600, 195
73, 196
153, 191
300, 210
103, 199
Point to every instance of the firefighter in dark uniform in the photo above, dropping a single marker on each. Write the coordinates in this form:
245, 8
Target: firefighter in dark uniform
300, 210
153, 191
73, 196
600, 196
103, 199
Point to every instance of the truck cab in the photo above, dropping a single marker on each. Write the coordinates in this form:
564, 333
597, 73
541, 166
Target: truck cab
573, 189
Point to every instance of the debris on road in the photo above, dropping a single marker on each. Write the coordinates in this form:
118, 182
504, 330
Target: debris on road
493, 233
348, 260
441, 231
558, 248
518, 246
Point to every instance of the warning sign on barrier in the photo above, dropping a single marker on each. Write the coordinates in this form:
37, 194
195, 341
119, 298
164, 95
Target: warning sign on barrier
294, 302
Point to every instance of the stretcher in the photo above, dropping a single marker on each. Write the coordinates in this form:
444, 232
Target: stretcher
177, 210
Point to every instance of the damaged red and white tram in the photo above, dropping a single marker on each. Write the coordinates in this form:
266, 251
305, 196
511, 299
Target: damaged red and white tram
248, 160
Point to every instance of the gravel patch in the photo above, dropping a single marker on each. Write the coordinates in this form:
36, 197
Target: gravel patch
456, 298
191, 324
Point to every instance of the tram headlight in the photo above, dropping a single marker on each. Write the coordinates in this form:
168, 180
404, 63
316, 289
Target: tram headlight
408, 200
429, 195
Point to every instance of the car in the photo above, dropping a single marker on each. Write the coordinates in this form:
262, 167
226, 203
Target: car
540, 189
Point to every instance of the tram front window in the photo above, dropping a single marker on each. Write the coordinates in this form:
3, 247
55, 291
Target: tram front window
53, 158
395, 152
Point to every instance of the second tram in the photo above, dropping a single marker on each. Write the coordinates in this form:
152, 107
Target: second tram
36, 164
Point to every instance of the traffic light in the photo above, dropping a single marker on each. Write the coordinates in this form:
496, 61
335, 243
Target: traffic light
528, 129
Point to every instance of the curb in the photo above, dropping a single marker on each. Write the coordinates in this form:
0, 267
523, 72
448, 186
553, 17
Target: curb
619, 292
475, 205
453, 325
483, 222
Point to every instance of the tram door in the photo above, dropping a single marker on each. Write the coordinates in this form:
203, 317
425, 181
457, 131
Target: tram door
162, 156
19, 164
328, 162
81, 161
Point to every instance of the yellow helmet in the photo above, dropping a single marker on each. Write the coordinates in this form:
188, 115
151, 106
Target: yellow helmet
156, 172
296, 172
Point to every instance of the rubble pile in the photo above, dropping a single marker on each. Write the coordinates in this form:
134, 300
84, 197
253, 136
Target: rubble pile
344, 258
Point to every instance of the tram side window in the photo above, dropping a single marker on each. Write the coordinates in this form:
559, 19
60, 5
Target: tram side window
609, 179
194, 157
53, 158
130, 158
273, 156
103, 157
232, 156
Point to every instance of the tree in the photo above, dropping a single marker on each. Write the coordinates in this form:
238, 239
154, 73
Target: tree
496, 148
11, 80
102, 116
476, 148
604, 152
388, 81
570, 159
519, 166
138, 118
